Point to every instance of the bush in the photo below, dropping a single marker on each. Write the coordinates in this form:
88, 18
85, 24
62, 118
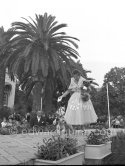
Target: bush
98, 137
118, 150
57, 148
4, 131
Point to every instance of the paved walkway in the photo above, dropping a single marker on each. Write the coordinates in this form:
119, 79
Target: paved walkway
20, 148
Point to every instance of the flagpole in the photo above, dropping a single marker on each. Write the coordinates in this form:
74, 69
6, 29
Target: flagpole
108, 105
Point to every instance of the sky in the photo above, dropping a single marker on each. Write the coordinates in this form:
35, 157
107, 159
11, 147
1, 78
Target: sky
98, 24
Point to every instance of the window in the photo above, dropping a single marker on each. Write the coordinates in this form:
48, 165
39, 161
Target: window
5, 100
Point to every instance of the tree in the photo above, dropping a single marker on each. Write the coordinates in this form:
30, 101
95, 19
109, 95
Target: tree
116, 80
40, 54
116, 86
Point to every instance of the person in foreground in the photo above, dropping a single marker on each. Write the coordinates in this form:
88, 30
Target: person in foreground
80, 110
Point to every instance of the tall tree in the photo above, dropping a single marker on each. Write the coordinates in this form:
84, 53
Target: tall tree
40, 54
116, 90
116, 80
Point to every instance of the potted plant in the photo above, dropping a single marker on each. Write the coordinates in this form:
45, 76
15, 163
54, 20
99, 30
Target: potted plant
59, 150
98, 144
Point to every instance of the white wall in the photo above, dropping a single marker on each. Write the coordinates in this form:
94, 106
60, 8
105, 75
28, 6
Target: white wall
11, 97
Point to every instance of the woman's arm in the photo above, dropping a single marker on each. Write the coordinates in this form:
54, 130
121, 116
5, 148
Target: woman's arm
70, 88
64, 95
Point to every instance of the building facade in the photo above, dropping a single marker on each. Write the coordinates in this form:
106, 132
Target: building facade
9, 91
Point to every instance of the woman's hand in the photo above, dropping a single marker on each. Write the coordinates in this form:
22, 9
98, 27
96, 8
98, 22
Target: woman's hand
60, 98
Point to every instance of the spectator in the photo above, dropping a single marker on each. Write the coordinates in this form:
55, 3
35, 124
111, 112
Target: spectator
4, 122
122, 124
113, 122
11, 116
50, 119
121, 120
28, 117
116, 123
18, 117
38, 120
17, 123
10, 122
25, 124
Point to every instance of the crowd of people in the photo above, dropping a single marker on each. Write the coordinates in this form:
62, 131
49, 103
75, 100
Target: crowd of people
29, 121
42, 121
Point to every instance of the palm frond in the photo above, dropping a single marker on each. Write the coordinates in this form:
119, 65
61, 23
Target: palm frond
55, 60
51, 23
56, 28
34, 28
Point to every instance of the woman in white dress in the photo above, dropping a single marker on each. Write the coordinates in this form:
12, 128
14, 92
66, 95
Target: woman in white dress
79, 112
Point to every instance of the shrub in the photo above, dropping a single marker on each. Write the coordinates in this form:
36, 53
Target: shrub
57, 148
98, 137
4, 131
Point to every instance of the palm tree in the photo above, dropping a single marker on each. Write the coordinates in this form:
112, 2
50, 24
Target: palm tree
40, 54
4, 43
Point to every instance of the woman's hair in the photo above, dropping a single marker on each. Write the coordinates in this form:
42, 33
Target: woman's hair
76, 72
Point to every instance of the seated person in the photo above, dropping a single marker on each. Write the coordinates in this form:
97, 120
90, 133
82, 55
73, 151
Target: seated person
4, 122
25, 123
50, 119
28, 117
17, 117
122, 123
38, 120
10, 122
116, 123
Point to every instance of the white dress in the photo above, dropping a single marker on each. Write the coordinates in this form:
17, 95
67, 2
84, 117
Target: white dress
79, 112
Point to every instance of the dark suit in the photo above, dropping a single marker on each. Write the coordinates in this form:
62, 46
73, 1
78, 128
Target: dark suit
34, 121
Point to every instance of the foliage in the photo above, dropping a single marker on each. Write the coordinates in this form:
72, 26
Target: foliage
5, 112
99, 100
40, 53
4, 131
98, 137
117, 157
57, 148
116, 83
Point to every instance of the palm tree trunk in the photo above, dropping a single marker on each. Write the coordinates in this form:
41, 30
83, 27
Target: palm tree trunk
37, 97
48, 98
2, 84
